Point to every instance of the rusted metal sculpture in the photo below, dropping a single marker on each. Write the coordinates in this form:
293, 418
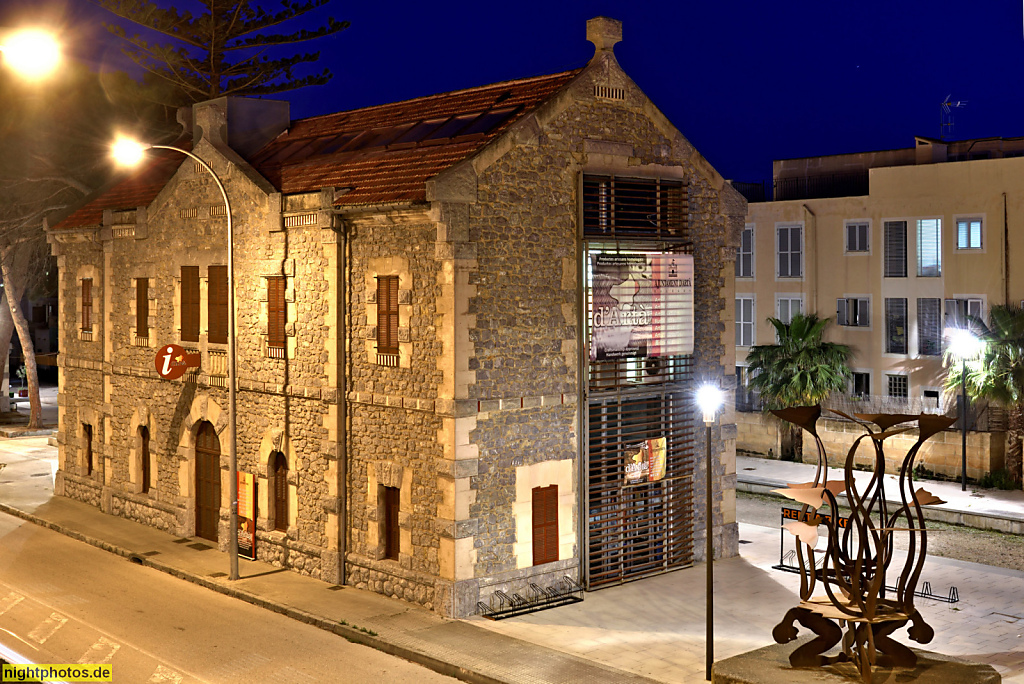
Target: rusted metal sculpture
857, 558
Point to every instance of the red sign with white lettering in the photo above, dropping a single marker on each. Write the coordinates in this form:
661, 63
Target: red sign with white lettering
172, 361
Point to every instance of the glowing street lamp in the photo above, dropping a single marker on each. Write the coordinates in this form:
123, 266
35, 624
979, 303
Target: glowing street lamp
964, 345
709, 399
31, 53
128, 152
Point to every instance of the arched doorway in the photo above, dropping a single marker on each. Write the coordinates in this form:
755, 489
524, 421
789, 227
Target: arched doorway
207, 482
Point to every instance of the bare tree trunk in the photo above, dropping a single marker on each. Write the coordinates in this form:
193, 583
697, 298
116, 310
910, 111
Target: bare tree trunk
6, 330
14, 291
1014, 442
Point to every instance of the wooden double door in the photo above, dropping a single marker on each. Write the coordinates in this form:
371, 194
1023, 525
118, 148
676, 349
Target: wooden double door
207, 482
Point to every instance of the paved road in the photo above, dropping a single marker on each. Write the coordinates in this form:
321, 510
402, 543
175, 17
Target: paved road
62, 601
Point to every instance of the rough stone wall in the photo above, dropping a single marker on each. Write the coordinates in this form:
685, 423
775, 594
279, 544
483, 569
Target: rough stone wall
184, 226
392, 409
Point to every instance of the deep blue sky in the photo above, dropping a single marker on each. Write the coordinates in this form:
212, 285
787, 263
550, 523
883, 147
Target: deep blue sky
746, 82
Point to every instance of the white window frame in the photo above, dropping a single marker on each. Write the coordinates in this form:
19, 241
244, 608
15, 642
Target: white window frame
847, 225
918, 223
750, 227
885, 247
906, 328
855, 297
861, 371
778, 255
779, 298
924, 389
974, 301
753, 319
887, 385
980, 218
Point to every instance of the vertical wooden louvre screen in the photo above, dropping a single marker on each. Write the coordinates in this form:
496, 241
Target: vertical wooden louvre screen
190, 303
280, 466
387, 314
392, 536
642, 528
276, 311
217, 304
545, 524
142, 307
87, 304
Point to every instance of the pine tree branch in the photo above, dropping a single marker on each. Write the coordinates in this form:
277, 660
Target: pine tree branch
166, 22
300, 36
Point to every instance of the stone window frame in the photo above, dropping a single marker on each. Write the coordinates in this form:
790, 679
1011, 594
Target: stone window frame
204, 309
382, 474
87, 272
274, 512
389, 266
851, 225
142, 418
275, 440
277, 269
559, 472
743, 296
801, 253
751, 230
150, 339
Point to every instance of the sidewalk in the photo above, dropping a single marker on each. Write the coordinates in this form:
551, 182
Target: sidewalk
990, 509
457, 648
644, 631
14, 423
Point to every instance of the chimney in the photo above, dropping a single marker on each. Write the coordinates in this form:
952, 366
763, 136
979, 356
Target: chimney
604, 33
242, 123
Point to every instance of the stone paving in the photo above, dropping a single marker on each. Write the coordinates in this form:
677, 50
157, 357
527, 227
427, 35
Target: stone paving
655, 627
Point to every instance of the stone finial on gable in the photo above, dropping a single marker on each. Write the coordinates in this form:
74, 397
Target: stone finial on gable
604, 33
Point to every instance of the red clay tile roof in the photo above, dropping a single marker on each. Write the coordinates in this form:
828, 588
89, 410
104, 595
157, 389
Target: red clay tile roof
137, 190
386, 153
381, 154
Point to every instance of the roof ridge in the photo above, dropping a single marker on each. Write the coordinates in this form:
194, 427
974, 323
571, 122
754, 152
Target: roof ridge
515, 81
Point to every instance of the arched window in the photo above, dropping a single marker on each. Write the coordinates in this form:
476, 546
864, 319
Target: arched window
279, 469
144, 455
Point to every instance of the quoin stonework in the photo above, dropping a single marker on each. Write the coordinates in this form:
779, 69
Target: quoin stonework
420, 398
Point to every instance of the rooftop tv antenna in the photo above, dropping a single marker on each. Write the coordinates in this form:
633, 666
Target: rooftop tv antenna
946, 116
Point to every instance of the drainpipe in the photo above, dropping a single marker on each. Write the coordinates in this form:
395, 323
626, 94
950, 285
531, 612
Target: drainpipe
1006, 255
814, 256
343, 286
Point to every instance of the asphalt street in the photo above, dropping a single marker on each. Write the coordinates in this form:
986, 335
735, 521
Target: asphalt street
62, 601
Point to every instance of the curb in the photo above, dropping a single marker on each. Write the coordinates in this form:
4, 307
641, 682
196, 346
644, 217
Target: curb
952, 516
350, 633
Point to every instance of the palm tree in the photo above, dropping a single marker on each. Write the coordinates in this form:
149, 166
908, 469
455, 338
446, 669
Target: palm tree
800, 370
998, 374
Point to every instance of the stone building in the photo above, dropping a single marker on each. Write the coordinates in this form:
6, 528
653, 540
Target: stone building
418, 397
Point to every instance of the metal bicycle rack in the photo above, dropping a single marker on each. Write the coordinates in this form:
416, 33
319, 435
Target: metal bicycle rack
502, 605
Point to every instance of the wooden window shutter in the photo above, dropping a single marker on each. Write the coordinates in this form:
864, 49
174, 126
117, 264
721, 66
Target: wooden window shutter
392, 535
87, 434
144, 448
280, 466
87, 304
142, 307
190, 303
276, 311
387, 314
545, 524
217, 304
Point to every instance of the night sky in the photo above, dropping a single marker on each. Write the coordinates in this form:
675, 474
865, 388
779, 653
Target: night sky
746, 82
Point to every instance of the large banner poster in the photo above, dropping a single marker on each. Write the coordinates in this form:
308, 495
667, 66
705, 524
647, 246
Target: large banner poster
642, 305
646, 461
246, 516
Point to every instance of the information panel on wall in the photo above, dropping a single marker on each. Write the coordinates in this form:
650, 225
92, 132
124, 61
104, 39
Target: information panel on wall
642, 305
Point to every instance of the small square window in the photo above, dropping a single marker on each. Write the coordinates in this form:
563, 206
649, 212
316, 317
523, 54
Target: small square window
897, 387
857, 237
968, 233
861, 384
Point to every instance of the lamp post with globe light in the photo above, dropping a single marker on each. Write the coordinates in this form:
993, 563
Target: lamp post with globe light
964, 345
31, 53
129, 152
709, 399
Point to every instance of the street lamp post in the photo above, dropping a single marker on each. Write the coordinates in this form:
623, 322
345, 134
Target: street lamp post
964, 345
709, 399
129, 152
